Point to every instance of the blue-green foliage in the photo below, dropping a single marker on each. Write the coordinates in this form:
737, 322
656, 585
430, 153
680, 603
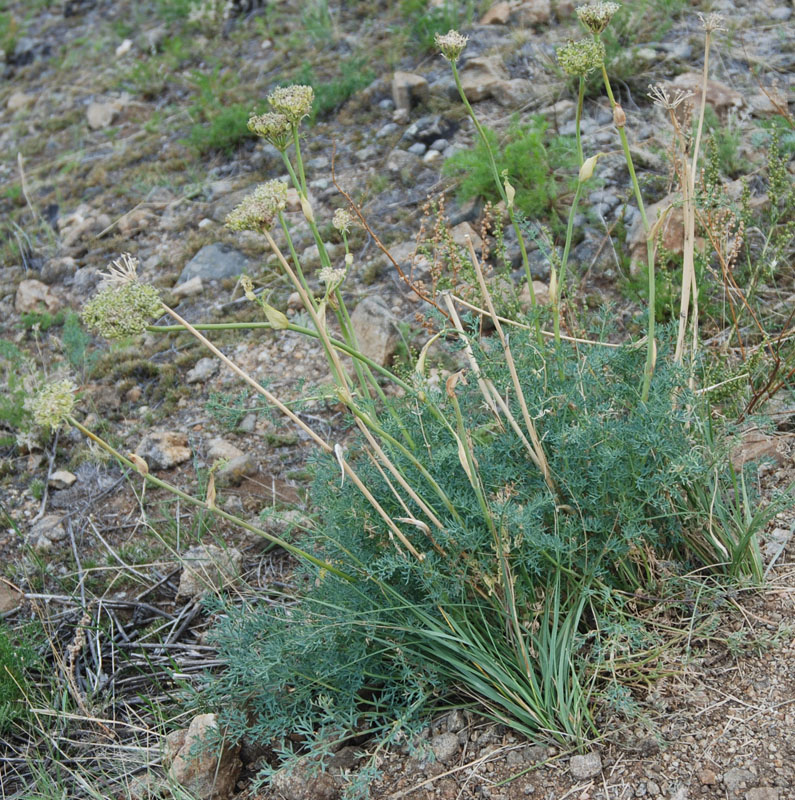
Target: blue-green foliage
365, 654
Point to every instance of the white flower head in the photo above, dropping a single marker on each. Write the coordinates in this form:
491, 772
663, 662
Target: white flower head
452, 44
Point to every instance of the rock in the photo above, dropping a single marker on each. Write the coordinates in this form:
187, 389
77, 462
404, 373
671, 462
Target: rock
445, 747
85, 282
164, 449
498, 14
62, 479
190, 288
456, 721
24, 51
10, 598
19, 100
762, 793
736, 779
482, 76
55, 270
138, 219
463, 231
124, 48
707, 777
219, 448
35, 296
214, 262
409, 90
203, 370
720, 97
240, 467
758, 446
586, 766
206, 773
533, 12
46, 532
541, 291
375, 328
101, 115
207, 567
401, 160
535, 754
304, 782
515, 92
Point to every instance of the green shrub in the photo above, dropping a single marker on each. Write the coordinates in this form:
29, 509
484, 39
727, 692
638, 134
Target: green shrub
377, 652
539, 168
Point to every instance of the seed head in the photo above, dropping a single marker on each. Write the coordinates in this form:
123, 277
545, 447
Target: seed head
581, 57
452, 44
711, 22
668, 100
274, 128
295, 102
52, 404
342, 220
258, 209
596, 16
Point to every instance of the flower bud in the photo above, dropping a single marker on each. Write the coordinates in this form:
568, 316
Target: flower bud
587, 168
306, 207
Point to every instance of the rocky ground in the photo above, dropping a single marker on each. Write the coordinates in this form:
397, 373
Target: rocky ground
111, 144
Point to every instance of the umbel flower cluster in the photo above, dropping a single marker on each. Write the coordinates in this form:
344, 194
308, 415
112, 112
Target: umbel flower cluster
452, 44
581, 57
258, 210
596, 16
289, 104
52, 404
123, 306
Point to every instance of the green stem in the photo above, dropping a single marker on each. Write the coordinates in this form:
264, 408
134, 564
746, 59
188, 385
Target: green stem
648, 370
152, 480
501, 190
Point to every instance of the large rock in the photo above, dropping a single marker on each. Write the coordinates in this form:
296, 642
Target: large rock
33, 295
375, 329
207, 567
482, 77
408, 90
214, 262
164, 449
207, 772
